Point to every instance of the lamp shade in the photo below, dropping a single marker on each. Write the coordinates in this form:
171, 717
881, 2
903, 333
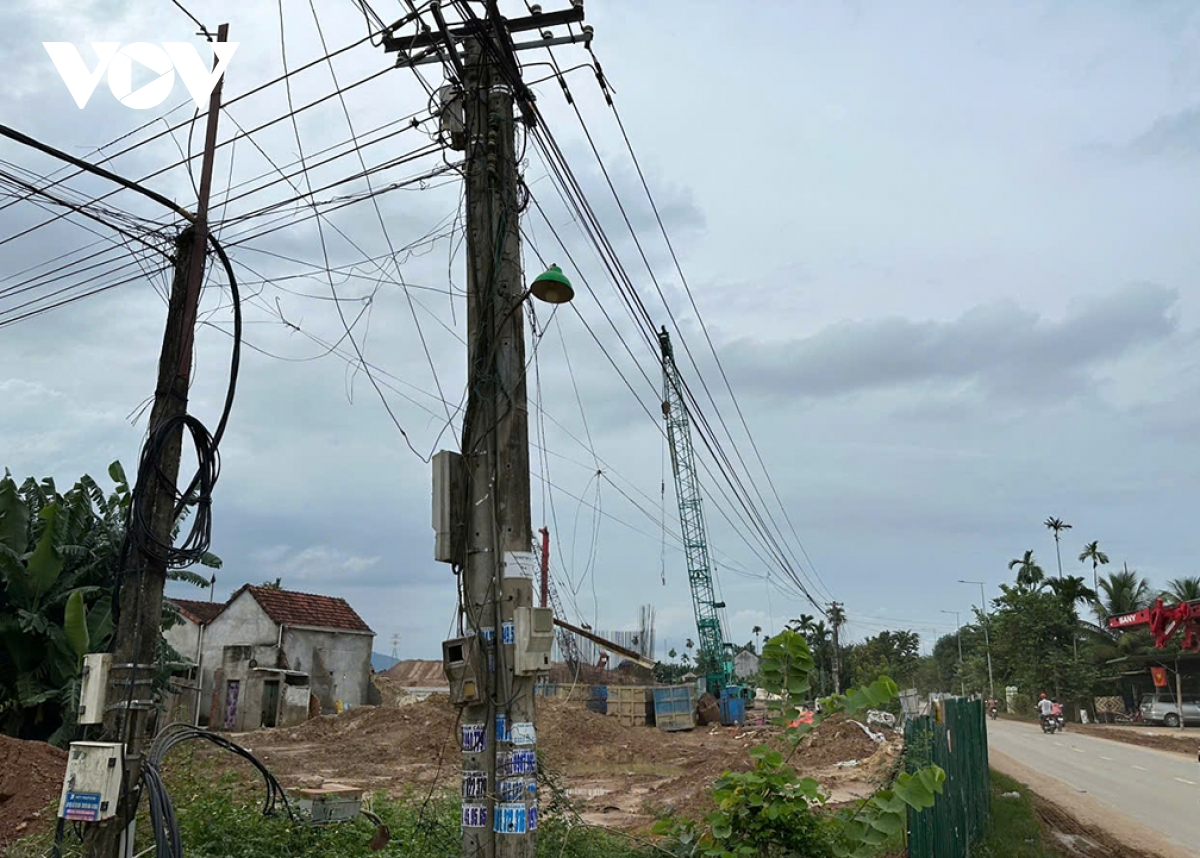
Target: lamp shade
552, 286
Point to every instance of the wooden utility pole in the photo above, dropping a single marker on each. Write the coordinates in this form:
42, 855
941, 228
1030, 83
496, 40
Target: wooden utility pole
496, 449
139, 630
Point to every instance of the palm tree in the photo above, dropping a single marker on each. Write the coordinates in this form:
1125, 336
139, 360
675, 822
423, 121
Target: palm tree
689, 643
672, 654
1092, 552
1071, 591
757, 632
836, 615
1123, 593
1182, 590
1057, 525
1029, 575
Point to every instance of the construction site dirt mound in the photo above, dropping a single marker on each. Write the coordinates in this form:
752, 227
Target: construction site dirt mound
836, 740
617, 775
31, 777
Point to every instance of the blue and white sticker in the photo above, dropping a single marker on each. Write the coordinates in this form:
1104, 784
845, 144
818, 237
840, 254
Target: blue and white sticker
474, 816
501, 728
533, 815
474, 785
491, 662
519, 763
522, 733
489, 633
511, 819
474, 737
531, 789
511, 789
508, 632
82, 806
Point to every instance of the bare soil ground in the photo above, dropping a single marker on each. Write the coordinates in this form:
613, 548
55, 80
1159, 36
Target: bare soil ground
619, 776
31, 776
1162, 738
1067, 835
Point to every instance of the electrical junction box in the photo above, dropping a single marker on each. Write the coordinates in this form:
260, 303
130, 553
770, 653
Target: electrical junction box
93, 687
330, 803
92, 782
534, 640
449, 493
462, 662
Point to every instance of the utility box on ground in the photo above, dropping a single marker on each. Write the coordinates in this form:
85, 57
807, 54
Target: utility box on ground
330, 803
675, 707
93, 687
92, 782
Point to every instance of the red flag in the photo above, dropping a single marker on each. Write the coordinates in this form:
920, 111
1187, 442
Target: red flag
1160, 676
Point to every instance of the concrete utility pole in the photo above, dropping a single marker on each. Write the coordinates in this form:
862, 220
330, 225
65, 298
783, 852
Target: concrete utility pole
987, 641
496, 449
962, 683
835, 621
139, 629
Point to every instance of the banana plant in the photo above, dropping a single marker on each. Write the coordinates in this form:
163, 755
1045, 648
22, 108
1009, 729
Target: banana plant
59, 561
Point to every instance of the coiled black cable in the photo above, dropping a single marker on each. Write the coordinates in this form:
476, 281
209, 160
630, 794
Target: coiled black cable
168, 842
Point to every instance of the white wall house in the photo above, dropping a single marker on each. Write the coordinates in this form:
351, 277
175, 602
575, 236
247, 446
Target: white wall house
269, 655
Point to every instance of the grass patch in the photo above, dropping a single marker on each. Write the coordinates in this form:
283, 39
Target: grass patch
219, 808
1016, 832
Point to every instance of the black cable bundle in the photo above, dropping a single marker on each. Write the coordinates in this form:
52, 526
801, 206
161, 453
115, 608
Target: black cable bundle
167, 839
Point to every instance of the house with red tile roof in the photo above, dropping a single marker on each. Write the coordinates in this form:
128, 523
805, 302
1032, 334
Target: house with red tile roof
268, 657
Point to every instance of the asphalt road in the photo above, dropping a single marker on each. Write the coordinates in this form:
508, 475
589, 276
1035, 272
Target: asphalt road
1158, 789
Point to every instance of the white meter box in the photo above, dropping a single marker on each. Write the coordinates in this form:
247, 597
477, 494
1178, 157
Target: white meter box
92, 782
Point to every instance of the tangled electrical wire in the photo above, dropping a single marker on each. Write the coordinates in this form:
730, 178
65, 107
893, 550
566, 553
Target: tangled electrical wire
168, 842
198, 494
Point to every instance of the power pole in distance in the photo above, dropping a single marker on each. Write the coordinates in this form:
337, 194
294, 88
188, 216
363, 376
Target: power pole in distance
836, 616
139, 629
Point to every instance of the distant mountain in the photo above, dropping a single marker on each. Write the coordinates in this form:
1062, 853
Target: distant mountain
381, 662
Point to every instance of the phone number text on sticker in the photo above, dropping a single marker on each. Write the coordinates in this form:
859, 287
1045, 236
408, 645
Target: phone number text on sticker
474, 816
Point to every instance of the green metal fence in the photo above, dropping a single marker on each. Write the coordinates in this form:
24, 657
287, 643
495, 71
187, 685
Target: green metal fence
954, 738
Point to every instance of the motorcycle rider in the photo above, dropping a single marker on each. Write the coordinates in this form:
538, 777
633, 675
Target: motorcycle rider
992, 706
1045, 707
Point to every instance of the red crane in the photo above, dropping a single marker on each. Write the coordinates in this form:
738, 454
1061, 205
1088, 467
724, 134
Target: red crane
1164, 621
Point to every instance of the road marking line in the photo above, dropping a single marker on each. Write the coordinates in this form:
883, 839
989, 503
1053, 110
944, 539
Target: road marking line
1139, 768
1109, 759
1183, 781
1078, 750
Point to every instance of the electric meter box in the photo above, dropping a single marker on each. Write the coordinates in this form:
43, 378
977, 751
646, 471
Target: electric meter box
449, 493
92, 782
93, 687
534, 640
461, 661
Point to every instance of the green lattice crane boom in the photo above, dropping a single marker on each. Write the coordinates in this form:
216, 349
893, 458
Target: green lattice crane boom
716, 654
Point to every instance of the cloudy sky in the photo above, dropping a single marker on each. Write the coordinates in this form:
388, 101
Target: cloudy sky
947, 256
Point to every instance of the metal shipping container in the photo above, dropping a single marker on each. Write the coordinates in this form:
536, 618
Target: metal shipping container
675, 707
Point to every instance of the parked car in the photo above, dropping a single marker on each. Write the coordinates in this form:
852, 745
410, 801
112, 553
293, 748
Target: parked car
1161, 708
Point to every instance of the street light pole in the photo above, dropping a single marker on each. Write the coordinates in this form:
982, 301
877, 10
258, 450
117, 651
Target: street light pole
962, 683
987, 642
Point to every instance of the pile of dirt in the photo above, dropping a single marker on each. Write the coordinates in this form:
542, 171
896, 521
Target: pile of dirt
835, 740
31, 777
618, 776
1162, 738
